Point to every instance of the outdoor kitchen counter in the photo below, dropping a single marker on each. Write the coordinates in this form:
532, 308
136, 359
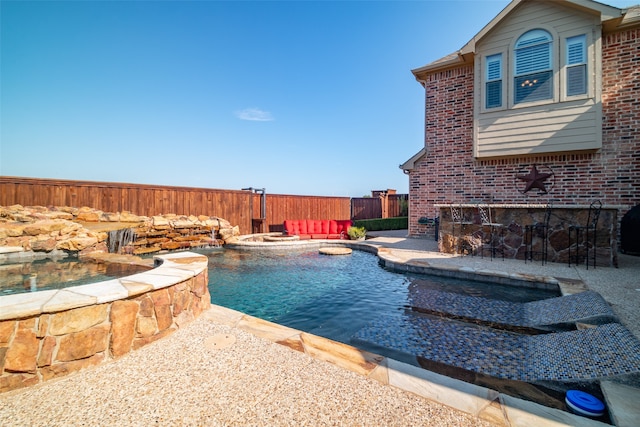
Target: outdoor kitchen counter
516, 216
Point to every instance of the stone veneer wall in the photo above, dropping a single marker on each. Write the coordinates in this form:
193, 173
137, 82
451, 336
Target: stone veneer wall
49, 334
514, 242
448, 173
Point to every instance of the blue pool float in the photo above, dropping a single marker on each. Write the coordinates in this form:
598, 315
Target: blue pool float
584, 404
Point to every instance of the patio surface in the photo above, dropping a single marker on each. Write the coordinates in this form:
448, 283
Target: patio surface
230, 369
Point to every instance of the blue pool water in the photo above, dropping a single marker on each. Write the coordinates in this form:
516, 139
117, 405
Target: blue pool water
330, 296
353, 300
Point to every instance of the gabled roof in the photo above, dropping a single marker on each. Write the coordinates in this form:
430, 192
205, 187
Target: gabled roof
607, 13
409, 164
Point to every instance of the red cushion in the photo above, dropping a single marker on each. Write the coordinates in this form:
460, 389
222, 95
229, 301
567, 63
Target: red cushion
314, 226
289, 227
317, 228
311, 226
295, 226
308, 224
343, 225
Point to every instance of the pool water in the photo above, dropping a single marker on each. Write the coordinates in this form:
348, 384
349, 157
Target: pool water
330, 296
44, 274
351, 299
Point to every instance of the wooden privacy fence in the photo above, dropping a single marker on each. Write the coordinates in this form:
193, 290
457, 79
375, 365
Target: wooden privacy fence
240, 208
385, 206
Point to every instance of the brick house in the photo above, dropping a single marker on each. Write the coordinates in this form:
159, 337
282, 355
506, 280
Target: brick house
549, 83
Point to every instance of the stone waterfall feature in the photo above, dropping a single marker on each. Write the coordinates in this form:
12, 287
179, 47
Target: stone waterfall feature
37, 231
119, 241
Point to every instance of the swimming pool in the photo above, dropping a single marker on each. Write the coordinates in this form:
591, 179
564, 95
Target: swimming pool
331, 296
354, 300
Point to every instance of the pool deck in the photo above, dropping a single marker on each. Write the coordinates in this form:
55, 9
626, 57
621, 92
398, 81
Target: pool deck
228, 369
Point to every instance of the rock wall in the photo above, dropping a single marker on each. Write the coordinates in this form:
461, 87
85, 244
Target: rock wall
514, 242
42, 230
54, 343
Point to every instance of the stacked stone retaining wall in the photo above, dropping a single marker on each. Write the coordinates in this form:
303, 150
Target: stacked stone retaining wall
43, 230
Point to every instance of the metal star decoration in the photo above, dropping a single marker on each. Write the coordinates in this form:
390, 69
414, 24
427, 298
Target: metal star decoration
535, 179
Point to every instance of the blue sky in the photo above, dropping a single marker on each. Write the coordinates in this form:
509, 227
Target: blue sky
299, 97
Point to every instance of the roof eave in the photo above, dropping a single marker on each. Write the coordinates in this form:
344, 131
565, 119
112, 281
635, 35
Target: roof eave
410, 164
456, 60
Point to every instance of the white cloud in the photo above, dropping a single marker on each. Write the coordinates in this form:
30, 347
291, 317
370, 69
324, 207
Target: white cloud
254, 114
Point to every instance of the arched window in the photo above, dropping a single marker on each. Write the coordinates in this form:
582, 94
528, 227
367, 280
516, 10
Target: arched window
533, 74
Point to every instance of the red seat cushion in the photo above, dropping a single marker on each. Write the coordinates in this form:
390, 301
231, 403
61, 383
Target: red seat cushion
313, 226
295, 226
343, 226
317, 228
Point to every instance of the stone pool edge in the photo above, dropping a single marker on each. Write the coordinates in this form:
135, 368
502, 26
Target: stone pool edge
49, 334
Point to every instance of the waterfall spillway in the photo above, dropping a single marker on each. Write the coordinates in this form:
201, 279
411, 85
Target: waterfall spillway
118, 240
214, 240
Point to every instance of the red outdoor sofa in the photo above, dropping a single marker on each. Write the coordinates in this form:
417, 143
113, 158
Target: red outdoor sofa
317, 228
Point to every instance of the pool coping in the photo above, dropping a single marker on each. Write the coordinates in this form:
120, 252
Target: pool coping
169, 269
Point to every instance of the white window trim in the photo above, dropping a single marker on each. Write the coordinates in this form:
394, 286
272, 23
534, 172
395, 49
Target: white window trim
485, 61
559, 46
590, 66
483, 81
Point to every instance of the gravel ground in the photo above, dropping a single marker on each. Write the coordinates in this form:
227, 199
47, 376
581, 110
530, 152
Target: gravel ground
182, 381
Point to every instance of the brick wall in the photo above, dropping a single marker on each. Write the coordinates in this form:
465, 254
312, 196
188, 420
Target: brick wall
450, 174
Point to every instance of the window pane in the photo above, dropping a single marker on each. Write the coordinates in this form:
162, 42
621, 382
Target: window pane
533, 37
493, 94
577, 80
533, 87
494, 67
534, 58
576, 50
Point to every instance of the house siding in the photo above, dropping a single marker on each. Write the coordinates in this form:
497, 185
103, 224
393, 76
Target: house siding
449, 173
548, 127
